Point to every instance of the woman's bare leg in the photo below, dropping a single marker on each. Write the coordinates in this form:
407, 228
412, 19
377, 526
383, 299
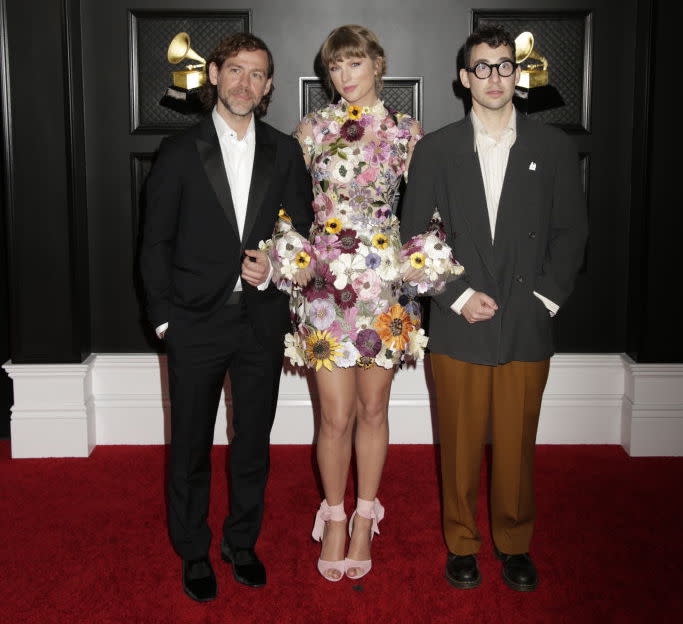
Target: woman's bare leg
372, 438
337, 391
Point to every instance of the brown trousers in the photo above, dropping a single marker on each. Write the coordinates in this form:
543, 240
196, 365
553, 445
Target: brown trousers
468, 396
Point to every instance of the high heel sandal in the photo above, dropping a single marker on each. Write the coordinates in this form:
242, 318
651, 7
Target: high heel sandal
370, 510
326, 513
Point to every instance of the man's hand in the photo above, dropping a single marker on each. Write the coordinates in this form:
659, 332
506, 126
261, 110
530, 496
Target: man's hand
479, 307
255, 267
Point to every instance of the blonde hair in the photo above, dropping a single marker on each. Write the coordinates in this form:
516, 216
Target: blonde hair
349, 41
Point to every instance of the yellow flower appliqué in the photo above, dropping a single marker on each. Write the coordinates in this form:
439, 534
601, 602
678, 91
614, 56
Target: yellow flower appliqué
302, 260
380, 241
283, 215
417, 260
354, 112
332, 226
322, 349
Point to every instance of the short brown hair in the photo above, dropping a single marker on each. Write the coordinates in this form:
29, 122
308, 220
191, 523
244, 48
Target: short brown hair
227, 48
352, 40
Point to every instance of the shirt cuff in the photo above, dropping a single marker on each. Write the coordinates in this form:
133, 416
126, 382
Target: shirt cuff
161, 330
457, 305
551, 306
263, 285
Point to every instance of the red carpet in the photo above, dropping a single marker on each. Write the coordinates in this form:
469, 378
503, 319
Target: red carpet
84, 540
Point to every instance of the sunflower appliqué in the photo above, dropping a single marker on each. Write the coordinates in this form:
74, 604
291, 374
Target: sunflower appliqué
354, 112
302, 260
333, 226
417, 260
322, 349
380, 241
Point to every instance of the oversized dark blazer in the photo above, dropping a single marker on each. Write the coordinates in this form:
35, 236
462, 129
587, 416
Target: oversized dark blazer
540, 237
191, 251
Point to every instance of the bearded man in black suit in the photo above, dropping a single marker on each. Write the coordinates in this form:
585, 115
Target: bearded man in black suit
213, 193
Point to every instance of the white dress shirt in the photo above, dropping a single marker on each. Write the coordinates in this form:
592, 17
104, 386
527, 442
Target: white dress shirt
493, 153
238, 158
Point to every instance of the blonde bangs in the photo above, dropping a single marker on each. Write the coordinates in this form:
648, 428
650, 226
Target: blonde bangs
343, 43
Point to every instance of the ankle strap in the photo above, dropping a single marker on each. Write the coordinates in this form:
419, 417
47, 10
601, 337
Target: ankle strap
370, 509
325, 514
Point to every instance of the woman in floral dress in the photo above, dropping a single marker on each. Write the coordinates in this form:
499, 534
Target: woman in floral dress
354, 320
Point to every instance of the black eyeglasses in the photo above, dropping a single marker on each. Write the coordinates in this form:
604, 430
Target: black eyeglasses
483, 70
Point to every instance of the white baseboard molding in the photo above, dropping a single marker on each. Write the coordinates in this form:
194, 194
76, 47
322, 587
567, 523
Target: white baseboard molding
652, 416
65, 410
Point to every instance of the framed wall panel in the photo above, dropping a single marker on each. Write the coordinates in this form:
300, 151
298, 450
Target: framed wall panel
399, 94
150, 33
565, 39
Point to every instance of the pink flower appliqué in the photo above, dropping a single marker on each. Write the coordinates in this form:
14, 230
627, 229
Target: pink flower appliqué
367, 286
323, 207
326, 132
321, 314
368, 175
327, 247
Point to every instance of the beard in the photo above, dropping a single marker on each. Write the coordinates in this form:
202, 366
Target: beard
239, 107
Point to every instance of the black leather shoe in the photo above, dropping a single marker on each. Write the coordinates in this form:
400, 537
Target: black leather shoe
199, 580
519, 571
462, 571
246, 566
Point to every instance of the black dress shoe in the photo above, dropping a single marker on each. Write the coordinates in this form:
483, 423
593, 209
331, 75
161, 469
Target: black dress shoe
246, 566
199, 580
462, 571
519, 571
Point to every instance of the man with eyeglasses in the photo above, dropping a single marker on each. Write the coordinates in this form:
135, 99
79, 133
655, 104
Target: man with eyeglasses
509, 193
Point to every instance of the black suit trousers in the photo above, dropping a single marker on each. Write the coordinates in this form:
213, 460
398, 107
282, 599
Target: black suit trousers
199, 356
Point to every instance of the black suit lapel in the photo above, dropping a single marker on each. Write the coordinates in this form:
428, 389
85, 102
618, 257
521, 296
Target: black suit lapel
512, 193
212, 160
469, 189
264, 161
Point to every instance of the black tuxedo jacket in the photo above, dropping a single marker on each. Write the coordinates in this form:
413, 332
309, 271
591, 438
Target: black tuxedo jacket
191, 251
540, 236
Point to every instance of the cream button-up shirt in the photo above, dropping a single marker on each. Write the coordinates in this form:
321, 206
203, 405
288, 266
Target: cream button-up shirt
493, 153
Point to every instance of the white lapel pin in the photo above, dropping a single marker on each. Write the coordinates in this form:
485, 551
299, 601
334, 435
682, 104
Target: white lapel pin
532, 166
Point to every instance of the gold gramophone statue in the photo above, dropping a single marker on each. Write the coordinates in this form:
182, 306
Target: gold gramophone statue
533, 91
192, 76
183, 95
533, 65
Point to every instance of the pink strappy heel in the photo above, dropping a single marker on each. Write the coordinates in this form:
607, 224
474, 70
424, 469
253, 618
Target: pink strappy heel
365, 509
324, 515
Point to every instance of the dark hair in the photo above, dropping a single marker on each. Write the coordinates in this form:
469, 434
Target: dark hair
228, 47
493, 35
352, 40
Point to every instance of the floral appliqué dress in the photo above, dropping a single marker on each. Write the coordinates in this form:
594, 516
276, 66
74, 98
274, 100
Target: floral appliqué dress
355, 310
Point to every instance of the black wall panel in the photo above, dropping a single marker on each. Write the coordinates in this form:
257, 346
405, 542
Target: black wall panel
47, 219
5, 200
656, 216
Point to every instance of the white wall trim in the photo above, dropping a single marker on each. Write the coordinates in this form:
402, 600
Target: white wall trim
652, 417
53, 413
64, 410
